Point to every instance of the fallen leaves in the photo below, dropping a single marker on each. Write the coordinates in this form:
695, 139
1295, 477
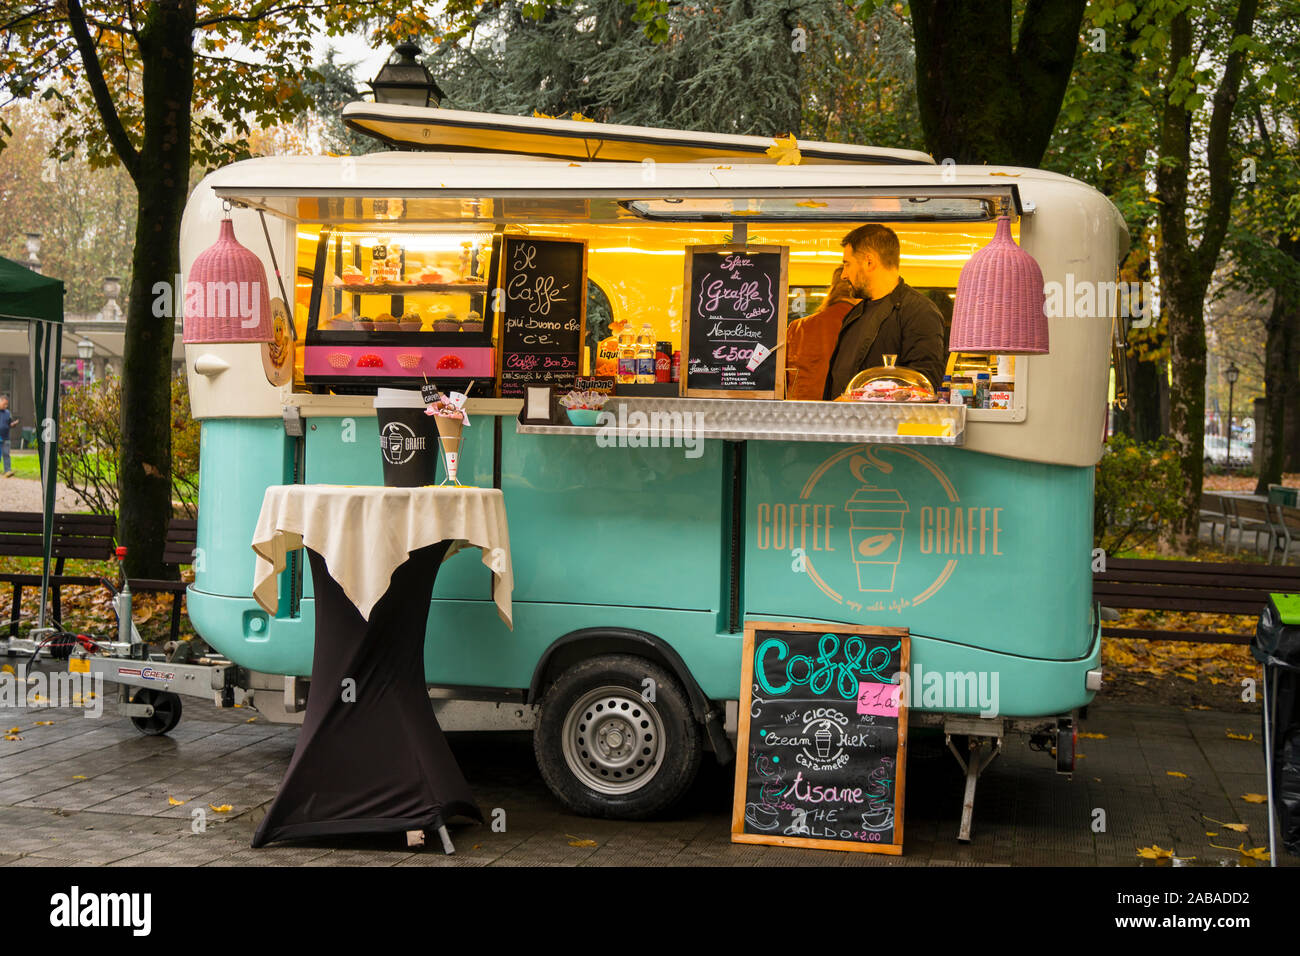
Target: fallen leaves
1247, 737
12, 737
1154, 852
1235, 827
1256, 853
175, 803
1176, 773
579, 841
224, 808
1087, 736
1254, 797
785, 150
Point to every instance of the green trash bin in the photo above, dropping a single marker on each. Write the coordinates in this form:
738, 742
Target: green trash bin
1282, 495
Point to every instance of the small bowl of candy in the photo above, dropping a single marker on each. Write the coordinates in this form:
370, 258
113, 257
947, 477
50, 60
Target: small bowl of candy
583, 408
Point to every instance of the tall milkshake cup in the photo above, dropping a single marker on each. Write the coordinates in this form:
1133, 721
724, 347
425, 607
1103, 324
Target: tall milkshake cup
449, 431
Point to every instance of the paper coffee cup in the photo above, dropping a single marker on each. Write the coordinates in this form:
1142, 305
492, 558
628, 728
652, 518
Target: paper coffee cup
406, 439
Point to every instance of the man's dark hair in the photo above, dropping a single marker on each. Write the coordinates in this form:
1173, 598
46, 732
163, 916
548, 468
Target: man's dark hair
879, 239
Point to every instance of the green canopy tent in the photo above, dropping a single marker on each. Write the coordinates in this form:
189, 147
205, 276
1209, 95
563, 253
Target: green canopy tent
38, 300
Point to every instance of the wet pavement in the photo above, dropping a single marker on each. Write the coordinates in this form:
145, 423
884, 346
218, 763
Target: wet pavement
94, 792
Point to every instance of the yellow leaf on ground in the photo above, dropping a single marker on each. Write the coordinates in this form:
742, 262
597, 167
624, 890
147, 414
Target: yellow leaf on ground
250, 720
1175, 773
811, 204
1154, 852
80, 776
175, 803
1083, 736
224, 808
1232, 736
1254, 798
1236, 827
579, 841
1258, 853
7, 669
1209, 833
44, 723
12, 737
13, 730
1198, 707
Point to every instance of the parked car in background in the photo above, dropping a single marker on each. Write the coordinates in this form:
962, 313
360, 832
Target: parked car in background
1216, 451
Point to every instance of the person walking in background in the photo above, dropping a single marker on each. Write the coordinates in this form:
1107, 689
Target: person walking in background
6, 422
810, 341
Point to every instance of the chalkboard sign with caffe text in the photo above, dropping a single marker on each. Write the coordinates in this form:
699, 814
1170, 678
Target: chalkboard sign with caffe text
822, 738
734, 329
542, 305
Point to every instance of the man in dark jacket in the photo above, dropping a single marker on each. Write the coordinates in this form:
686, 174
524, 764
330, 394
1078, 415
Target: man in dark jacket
892, 318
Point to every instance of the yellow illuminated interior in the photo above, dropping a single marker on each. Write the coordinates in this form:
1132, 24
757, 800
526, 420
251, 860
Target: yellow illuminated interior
640, 265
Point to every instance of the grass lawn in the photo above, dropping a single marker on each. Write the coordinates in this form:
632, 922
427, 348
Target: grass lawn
26, 464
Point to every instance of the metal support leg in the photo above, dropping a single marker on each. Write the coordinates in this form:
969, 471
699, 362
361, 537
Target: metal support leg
445, 837
972, 766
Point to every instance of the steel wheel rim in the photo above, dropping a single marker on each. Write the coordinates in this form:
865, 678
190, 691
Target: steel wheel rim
613, 740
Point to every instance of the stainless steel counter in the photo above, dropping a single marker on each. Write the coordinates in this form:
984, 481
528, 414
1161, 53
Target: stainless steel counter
749, 420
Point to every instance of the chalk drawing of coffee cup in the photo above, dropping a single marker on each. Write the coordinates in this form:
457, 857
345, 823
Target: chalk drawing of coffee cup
876, 534
823, 740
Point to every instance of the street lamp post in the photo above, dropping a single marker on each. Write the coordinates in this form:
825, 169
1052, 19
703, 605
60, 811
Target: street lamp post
34, 251
85, 352
1231, 375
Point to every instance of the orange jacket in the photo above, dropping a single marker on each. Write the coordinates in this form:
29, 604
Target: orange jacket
809, 344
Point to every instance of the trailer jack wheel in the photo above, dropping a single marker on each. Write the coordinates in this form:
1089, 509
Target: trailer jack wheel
1065, 745
166, 712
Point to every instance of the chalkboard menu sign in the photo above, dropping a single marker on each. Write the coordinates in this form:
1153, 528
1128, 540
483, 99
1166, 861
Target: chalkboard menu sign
735, 309
543, 305
822, 738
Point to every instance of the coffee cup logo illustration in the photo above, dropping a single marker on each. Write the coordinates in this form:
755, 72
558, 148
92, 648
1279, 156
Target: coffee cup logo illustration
398, 443
876, 535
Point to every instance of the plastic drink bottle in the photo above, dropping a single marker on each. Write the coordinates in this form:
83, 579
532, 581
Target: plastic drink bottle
626, 358
645, 356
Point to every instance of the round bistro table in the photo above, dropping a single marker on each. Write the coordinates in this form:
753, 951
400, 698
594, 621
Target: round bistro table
371, 757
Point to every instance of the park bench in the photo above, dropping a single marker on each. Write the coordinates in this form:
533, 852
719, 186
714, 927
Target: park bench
1189, 586
91, 538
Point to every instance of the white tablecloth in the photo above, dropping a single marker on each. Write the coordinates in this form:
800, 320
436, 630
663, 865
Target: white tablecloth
365, 533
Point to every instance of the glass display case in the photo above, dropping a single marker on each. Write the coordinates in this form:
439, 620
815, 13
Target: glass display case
388, 308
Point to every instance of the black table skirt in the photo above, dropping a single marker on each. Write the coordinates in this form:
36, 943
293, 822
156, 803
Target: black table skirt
370, 757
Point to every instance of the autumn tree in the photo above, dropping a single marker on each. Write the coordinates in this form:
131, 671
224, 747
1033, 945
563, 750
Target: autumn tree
157, 88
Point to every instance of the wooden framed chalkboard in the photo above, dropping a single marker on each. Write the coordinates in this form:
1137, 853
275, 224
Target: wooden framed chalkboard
821, 745
735, 300
543, 312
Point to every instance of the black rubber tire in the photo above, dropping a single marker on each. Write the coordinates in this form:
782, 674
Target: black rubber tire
680, 751
166, 712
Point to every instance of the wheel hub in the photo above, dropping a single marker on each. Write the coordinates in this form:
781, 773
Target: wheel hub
613, 740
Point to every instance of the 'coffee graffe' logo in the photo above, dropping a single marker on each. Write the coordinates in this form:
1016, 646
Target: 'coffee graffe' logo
399, 443
899, 513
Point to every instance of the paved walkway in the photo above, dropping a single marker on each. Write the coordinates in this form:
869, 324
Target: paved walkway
93, 792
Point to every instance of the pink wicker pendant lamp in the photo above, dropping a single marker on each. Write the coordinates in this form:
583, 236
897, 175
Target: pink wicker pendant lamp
226, 296
1000, 299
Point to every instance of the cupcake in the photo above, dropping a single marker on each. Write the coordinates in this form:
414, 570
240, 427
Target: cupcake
473, 323
385, 322
352, 275
443, 320
365, 323
410, 322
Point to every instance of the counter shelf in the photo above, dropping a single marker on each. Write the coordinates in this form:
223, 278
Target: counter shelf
763, 420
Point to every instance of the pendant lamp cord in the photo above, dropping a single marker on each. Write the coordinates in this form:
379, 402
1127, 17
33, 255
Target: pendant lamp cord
279, 279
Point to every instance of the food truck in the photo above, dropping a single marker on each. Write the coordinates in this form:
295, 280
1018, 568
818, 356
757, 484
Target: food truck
643, 543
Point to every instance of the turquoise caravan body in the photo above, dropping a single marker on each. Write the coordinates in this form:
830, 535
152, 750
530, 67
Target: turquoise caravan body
637, 561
